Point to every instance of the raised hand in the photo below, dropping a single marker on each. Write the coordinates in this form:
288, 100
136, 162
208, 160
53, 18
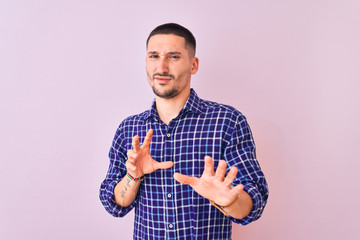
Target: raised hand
140, 161
214, 185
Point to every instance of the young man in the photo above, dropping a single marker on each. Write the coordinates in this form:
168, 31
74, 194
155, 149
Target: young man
187, 165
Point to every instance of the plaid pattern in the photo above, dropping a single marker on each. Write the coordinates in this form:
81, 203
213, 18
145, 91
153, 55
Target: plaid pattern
166, 209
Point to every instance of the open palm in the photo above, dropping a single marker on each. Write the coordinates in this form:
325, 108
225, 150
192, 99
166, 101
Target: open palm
214, 185
140, 161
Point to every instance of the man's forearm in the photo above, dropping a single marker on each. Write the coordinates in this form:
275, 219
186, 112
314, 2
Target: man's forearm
125, 191
241, 207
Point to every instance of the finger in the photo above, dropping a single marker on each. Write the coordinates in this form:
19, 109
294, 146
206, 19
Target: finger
136, 143
237, 189
163, 165
131, 155
181, 178
231, 176
130, 167
148, 138
221, 170
209, 166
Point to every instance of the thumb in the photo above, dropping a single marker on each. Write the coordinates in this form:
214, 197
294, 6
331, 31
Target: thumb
163, 165
181, 178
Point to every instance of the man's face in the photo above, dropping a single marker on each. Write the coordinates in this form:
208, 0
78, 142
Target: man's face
169, 65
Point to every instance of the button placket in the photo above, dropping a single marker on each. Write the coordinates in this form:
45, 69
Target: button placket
168, 156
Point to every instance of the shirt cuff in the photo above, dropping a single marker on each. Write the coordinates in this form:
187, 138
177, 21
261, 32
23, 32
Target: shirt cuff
257, 205
108, 200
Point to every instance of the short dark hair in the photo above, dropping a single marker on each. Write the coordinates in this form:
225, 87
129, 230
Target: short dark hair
176, 29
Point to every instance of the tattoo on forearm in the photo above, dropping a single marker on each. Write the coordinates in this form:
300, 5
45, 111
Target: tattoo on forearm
127, 186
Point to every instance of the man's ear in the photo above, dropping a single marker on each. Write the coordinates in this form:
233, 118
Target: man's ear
194, 65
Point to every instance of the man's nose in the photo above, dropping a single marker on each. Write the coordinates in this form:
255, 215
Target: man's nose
163, 66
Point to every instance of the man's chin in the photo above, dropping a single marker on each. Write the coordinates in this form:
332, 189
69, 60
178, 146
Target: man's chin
165, 93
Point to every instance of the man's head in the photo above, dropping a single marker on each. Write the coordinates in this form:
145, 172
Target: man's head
178, 30
170, 61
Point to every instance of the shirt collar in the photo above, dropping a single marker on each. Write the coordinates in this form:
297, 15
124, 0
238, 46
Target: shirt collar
193, 104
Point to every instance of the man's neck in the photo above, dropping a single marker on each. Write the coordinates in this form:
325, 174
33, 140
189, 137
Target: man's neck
169, 109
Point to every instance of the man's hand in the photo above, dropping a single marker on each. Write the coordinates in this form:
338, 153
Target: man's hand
140, 161
214, 185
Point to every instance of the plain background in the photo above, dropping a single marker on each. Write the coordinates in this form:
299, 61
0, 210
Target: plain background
72, 70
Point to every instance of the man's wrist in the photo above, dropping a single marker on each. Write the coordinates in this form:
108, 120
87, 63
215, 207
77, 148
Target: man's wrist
225, 209
221, 208
139, 179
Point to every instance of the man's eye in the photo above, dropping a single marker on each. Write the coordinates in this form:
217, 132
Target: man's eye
154, 56
174, 57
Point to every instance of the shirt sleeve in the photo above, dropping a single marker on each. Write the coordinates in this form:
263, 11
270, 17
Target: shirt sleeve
116, 172
240, 152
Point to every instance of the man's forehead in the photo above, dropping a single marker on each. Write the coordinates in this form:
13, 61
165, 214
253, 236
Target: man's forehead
166, 41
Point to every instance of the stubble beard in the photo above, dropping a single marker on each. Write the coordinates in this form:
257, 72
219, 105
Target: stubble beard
170, 93
167, 93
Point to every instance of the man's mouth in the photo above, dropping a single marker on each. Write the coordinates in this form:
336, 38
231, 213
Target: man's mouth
163, 77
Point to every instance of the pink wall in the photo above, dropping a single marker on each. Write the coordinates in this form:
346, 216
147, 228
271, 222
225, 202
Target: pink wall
71, 70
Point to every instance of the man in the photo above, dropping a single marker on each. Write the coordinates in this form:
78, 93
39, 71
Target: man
186, 165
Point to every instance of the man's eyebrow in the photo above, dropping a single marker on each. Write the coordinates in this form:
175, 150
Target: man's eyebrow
169, 53
172, 53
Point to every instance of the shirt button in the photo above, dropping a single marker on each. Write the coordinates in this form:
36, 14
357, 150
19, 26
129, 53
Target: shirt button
171, 226
168, 135
169, 195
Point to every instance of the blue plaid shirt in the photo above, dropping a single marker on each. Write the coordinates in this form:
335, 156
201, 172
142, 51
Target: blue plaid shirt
166, 209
